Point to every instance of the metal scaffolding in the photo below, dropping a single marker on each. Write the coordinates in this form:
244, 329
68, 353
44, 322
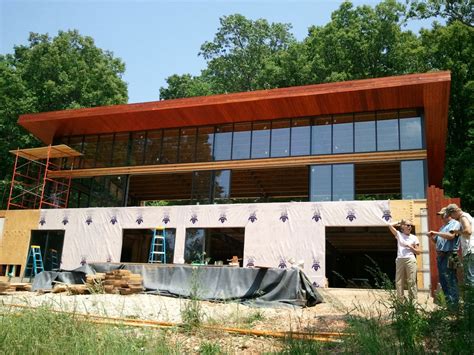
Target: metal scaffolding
31, 186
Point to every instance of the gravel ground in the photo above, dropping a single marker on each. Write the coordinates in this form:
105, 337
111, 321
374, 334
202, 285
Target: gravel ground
328, 316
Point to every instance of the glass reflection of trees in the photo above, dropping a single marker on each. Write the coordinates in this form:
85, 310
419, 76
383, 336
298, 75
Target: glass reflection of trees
360, 132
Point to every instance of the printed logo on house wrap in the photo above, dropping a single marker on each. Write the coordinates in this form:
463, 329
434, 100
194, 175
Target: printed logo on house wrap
253, 217
194, 218
284, 216
316, 214
42, 220
139, 219
250, 261
65, 219
387, 215
351, 215
282, 263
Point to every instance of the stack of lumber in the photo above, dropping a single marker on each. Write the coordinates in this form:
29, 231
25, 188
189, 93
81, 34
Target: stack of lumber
123, 282
94, 279
20, 286
4, 287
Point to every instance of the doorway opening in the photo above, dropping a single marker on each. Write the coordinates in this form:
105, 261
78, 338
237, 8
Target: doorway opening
354, 254
136, 245
51, 245
213, 245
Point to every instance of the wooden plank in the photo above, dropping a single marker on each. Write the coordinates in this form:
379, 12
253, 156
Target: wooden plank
244, 164
55, 151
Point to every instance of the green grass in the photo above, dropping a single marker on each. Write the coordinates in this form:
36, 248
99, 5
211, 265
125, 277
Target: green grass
41, 331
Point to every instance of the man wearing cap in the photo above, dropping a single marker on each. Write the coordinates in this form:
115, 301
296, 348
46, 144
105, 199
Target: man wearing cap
467, 240
447, 246
408, 246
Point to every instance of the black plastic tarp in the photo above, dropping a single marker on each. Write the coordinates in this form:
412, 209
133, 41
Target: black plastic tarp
260, 286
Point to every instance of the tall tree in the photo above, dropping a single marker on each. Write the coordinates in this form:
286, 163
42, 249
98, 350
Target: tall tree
239, 51
451, 48
362, 42
450, 10
64, 72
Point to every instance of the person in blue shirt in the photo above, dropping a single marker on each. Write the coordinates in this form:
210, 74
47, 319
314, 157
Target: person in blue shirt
447, 246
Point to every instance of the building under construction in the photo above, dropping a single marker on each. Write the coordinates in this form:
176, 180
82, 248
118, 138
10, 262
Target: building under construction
305, 175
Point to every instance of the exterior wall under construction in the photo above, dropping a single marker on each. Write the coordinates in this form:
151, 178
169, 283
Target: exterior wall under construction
276, 234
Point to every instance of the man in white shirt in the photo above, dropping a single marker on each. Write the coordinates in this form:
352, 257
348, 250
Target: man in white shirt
467, 240
408, 246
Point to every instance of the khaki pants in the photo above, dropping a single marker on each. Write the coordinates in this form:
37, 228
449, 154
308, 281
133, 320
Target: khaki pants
405, 276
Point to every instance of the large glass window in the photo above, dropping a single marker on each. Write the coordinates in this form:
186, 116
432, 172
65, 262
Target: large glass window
137, 154
201, 187
343, 136
300, 137
413, 179
90, 151
104, 150
121, 147
320, 183
321, 136
187, 145
387, 131
241, 141
169, 147
332, 182
411, 131
261, 140
223, 142
221, 185
343, 182
153, 147
205, 143
75, 143
280, 142
364, 132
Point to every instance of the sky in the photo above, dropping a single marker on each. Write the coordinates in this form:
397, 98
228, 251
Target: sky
155, 39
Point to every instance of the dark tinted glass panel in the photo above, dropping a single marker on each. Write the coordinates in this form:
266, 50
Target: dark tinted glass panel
411, 133
300, 136
121, 147
223, 142
261, 140
187, 145
377, 181
153, 147
343, 182
342, 135
221, 184
280, 143
321, 140
364, 132
320, 183
75, 143
413, 179
241, 142
387, 131
194, 246
90, 151
205, 142
104, 150
169, 148
201, 186
137, 155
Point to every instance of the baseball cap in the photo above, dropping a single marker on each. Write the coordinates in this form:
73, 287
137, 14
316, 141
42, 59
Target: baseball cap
451, 208
442, 211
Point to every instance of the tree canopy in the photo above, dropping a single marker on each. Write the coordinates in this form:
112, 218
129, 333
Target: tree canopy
358, 42
64, 72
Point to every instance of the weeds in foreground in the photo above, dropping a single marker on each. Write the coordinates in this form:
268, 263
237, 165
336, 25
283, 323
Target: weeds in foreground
207, 348
41, 331
192, 314
408, 329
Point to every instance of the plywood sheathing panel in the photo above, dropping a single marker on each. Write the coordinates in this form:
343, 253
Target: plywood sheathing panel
16, 236
411, 209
